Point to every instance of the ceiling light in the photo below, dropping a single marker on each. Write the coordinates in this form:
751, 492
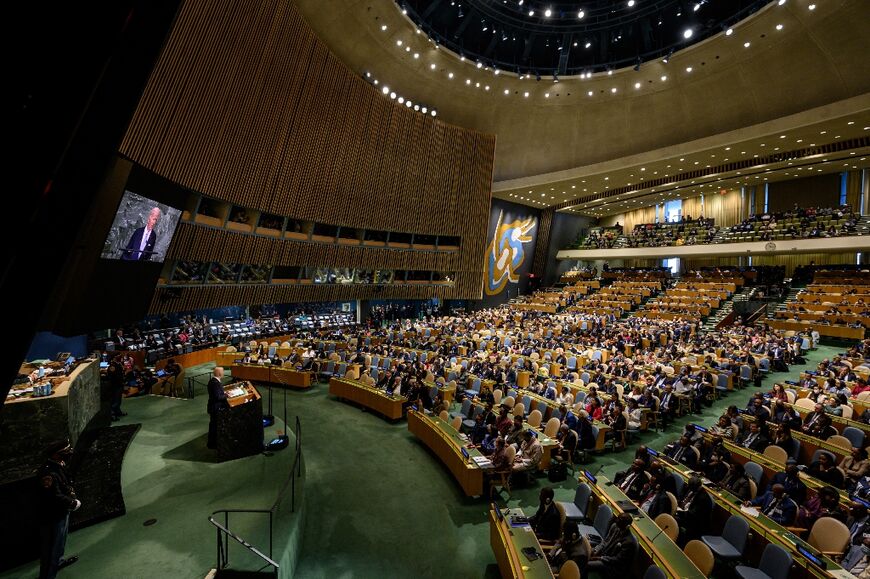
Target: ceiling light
486, 87
812, 6
729, 32
664, 78
506, 91
781, 2
449, 75
688, 69
433, 113
416, 55
531, 12
467, 81
613, 90
581, 14
401, 100
746, 44
779, 26
546, 95
590, 94
547, 12
630, 3
497, 72
637, 85
398, 43
424, 110
383, 26
588, 44
526, 94
479, 65
385, 90
687, 33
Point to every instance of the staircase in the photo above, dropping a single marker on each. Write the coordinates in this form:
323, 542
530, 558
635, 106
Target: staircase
724, 309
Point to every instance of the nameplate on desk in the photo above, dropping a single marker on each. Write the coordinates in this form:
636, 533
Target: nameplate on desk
812, 556
590, 477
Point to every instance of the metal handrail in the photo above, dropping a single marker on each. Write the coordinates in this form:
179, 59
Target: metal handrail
191, 382
224, 533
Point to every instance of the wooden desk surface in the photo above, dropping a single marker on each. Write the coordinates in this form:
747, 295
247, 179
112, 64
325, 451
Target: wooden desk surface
378, 400
445, 442
508, 540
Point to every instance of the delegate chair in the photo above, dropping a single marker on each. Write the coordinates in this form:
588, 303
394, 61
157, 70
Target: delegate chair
598, 530
502, 478
701, 555
535, 418
552, 427
731, 543
776, 454
775, 564
456, 422
855, 436
653, 572
668, 524
829, 536
755, 471
576, 511
569, 570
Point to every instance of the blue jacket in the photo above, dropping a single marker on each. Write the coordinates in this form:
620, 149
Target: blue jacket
783, 511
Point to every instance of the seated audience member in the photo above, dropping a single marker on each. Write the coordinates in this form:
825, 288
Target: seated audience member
632, 480
668, 404
568, 442
856, 466
683, 452
616, 552
530, 454
825, 503
499, 457
694, 510
817, 422
776, 504
723, 428
635, 414
825, 469
570, 547
858, 523
655, 500
791, 481
716, 467
754, 439
505, 422
737, 481
585, 432
857, 559
514, 435
546, 521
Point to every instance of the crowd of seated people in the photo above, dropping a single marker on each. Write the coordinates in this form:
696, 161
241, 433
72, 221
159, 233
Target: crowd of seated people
798, 223
683, 232
601, 237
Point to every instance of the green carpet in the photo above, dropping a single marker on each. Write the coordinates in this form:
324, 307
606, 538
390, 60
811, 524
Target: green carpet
377, 502
170, 475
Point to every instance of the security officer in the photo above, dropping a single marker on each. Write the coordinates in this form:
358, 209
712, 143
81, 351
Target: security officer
57, 499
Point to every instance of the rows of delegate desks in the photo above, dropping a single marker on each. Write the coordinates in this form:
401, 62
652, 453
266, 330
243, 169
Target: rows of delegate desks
763, 530
448, 445
509, 538
269, 374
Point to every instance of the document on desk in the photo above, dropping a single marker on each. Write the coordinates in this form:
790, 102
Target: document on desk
751, 511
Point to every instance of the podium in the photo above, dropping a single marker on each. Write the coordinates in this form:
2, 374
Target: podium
240, 424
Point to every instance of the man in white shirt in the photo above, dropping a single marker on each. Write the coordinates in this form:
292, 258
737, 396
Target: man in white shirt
141, 244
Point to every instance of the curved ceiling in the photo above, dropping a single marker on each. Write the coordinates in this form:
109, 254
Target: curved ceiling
782, 61
555, 39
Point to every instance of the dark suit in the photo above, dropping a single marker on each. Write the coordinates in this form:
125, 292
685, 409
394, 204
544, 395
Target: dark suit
132, 252
631, 483
217, 401
615, 554
755, 442
694, 514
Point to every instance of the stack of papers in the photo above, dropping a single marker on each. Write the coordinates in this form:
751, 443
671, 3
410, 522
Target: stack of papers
482, 461
751, 511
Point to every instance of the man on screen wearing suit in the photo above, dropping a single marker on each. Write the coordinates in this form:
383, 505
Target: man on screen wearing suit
141, 244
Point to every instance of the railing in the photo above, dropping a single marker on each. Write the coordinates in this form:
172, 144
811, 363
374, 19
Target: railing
225, 533
191, 382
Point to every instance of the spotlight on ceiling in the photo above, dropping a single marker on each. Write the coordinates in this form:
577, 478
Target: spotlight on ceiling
637, 64
581, 14
668, 56
687, 33
630, 3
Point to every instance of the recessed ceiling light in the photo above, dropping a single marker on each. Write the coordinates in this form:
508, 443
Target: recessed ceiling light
449, 75
729, 32
613, 90
637, 85
398, 43
630, 3
581, 14
526, 94
747, 44
548, 12
664, 78
531, 12
687, 33
779, 26
590, 94
383, 26
688, 69
812, 6
781, 2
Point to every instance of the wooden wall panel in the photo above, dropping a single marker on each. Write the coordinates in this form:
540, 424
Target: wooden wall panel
247, 105
542, 245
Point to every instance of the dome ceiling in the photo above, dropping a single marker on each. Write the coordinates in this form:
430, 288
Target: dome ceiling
539, 38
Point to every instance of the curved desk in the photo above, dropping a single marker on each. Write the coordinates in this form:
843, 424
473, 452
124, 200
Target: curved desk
391, 407
445, 442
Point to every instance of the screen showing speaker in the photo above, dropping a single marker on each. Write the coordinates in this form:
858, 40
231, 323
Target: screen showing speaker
142, 230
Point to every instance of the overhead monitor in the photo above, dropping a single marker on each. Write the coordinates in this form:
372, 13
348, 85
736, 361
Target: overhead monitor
141, 230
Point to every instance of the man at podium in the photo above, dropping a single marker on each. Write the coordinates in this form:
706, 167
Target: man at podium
217, 401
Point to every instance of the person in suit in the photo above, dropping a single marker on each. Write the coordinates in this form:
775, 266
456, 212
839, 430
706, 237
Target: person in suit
683, 453
140, 247
754, 438
668, 404
816, 422
656, 500
737, 481
693, 510
632, 480
546, 520
570, 547
616, 552
776, 504
791, 481
217, 401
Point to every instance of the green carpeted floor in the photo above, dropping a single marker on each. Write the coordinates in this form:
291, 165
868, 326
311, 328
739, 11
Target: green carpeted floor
377, 502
